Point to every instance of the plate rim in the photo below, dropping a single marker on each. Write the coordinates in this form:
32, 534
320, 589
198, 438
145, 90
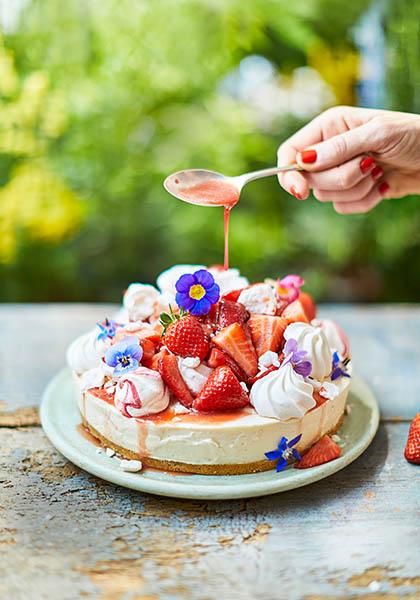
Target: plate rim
195, 487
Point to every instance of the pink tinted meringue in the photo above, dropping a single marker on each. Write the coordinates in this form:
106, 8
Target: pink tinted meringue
141, 393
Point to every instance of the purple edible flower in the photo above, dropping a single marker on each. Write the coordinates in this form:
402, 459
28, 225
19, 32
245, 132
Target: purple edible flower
338, 368
108, 329
197, 292
296, 358
284, 452
124, 356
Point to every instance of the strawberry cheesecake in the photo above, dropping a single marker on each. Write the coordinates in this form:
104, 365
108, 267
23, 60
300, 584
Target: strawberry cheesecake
207, 373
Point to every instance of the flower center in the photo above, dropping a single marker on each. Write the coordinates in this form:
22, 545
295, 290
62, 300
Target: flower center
124, 360
197, 291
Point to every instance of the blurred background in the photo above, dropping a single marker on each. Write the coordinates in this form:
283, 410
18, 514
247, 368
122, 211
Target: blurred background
101, 99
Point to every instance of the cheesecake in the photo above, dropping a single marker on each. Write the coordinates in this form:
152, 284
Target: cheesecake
206, 373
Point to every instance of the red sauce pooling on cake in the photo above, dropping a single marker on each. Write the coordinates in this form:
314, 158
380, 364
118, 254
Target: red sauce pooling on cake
168, 415
214, 192
102, 394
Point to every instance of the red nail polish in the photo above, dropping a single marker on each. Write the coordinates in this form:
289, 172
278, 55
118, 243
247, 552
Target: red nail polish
377, 172
308, 156
383, 188
366, 164
295, 193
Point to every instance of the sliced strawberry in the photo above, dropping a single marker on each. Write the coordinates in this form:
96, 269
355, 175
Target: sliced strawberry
412, 449
236, 341
322, 452
233, 295
294, 312
218, 358
231, 312
222, 391
308, 304
269, 369
149, 350
266, 332
169, 371
154, 362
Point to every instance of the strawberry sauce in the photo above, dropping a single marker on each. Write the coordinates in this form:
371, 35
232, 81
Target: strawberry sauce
214, 192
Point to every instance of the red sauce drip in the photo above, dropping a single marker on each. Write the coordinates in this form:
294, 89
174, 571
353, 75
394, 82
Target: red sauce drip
102, 394
81, 429
168, 415
226, 234
214, 192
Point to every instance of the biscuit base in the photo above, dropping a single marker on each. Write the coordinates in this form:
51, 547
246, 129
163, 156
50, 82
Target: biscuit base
194, 469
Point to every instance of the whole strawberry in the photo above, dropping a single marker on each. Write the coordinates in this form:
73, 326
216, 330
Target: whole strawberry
412, 449
183, 335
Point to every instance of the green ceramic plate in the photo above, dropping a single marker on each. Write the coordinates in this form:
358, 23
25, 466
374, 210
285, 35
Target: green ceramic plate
60, 419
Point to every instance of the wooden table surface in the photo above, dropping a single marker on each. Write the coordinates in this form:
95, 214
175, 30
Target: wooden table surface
66, 535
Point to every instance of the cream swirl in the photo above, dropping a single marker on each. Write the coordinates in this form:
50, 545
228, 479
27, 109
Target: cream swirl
282, 394
86, 351
314, 342
336, 337
140, 301
228, 279
141, 393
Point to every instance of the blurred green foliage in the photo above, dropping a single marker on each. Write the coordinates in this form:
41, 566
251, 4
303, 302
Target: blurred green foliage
132, 91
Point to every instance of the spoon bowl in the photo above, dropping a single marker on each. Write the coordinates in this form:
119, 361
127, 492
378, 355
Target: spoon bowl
210, 188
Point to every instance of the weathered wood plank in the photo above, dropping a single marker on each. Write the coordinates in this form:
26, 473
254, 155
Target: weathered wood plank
66, 530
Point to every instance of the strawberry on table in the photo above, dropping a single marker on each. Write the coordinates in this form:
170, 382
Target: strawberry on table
236, 341
412, 449
266, 332
169, 371
222, 391
184, 335
322, 452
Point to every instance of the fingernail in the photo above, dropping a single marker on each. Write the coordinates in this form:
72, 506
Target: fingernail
295, 193
308, 156
366, 164
377, 172
383, 188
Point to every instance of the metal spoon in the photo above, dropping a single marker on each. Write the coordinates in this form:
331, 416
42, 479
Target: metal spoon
179, 183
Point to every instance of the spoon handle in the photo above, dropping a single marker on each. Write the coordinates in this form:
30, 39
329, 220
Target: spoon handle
246, 177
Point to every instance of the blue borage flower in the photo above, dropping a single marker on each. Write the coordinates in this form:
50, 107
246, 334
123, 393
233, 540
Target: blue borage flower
296, 358
124, 356
197, 292
284, 452
338, 367
108, 329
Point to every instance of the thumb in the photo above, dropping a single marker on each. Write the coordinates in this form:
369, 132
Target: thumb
336, 150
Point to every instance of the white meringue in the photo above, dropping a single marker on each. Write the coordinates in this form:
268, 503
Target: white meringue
94, 378
86, 352
282, 394
260, 299
141, 392
228, 279
336, 337
140, 301
193, 373
268, 359
314, 342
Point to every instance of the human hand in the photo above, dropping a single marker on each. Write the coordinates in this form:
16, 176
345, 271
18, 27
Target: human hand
354, 157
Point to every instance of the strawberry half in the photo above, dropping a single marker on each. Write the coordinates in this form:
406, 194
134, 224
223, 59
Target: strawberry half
236, 341
295, 312
184, 335
218, 358
233, 295
412, 449
322, 452
266, 332
169, 371
222, 391
308, 305
229, 312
